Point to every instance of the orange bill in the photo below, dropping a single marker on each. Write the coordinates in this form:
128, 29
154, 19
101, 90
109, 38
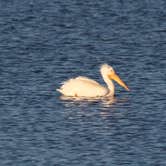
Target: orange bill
116, 78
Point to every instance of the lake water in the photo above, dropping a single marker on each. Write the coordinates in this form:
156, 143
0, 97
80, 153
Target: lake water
43, 43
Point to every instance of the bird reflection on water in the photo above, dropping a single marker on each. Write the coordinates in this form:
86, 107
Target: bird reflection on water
107, 105
107, 102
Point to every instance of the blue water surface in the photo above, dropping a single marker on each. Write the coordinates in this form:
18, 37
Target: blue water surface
43, 43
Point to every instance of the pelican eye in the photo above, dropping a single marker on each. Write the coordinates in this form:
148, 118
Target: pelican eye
111, 70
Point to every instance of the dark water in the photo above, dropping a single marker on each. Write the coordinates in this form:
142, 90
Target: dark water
42, 43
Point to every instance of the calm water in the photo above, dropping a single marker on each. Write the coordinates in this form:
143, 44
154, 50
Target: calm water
43, 43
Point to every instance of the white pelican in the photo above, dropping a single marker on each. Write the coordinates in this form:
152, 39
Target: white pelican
85, 87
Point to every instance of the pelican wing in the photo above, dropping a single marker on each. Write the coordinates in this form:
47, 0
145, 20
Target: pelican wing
87, 79
82, 86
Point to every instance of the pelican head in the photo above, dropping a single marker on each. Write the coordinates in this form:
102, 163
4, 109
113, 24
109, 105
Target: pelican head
108, 73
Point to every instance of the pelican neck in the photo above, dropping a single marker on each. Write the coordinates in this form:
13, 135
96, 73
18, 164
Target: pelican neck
109, 83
